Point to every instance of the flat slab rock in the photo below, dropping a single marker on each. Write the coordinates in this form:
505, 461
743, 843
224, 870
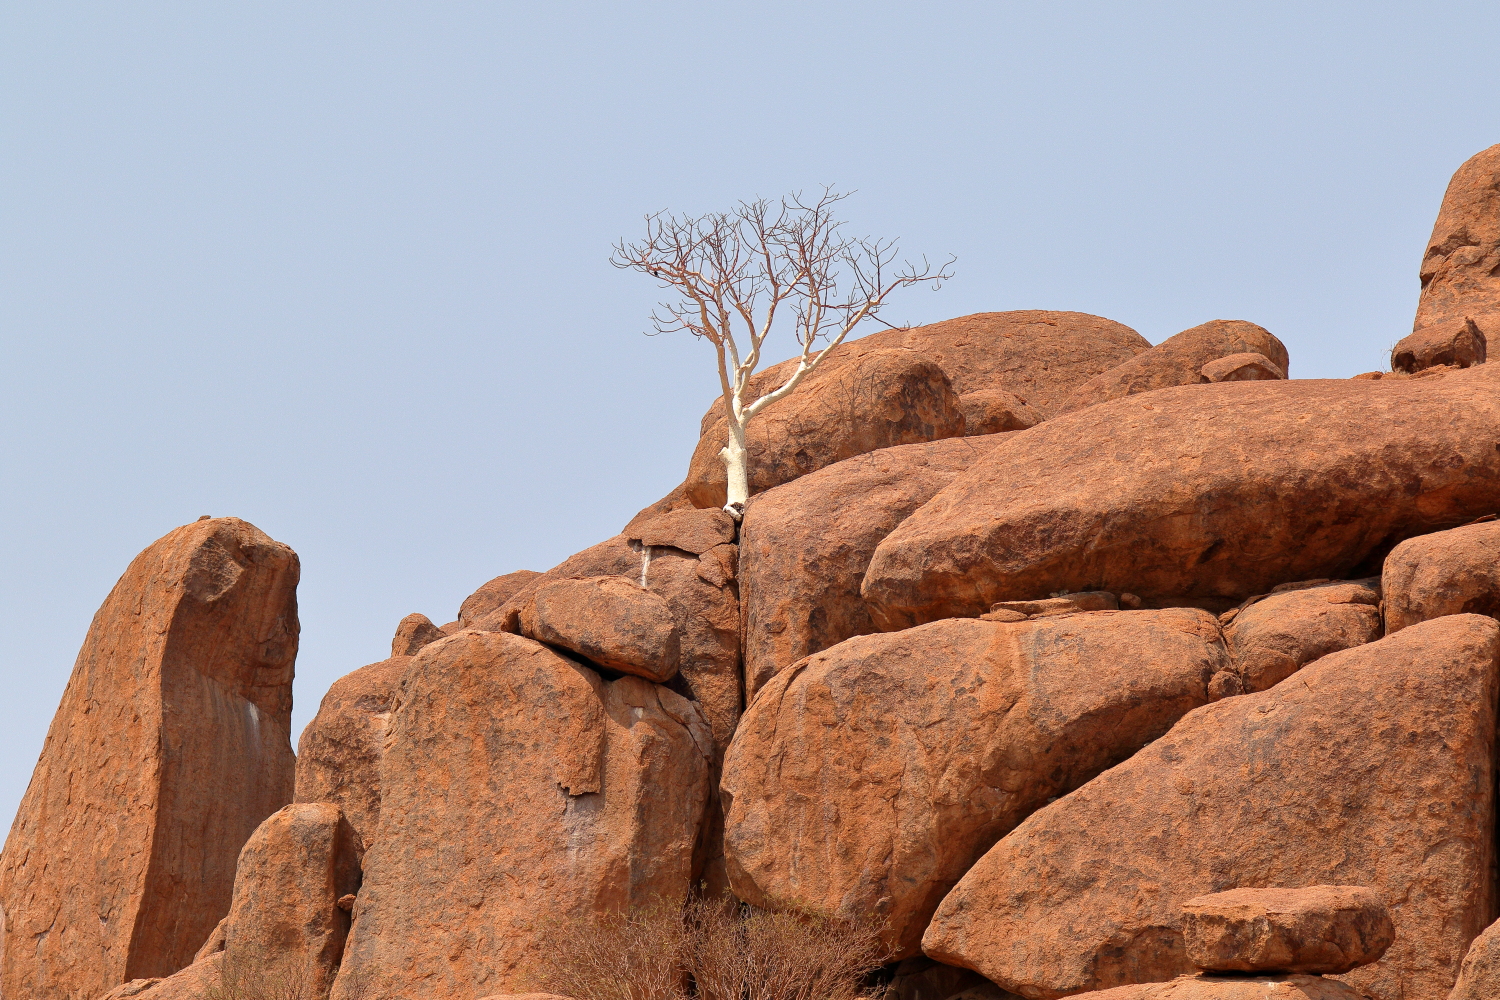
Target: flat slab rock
1205, 492
1317, 930
1210, 987
1374, 766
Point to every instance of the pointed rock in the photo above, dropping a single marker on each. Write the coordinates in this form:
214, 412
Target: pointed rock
1461, 269
170, 746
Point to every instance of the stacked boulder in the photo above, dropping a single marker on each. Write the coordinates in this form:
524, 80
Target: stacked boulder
1063, 664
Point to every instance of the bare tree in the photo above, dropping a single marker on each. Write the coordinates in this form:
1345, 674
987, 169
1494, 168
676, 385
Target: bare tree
738, 272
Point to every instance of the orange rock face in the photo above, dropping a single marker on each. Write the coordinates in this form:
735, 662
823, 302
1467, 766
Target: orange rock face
1314, 930
1479, 976
339, 753
1460, 279
1215, 492
493, 594
1444, 573
873, 399
1209, 987
169, 747
610, 621
1280, 634
199, 981
1458, 342
519, 791
994, 411
804, 547
1374, 767
1181, 359
285, 926
867, 779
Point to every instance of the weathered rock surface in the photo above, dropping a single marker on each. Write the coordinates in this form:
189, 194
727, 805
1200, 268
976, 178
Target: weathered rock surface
412, 633
804, 547
692, 530
1444, 573
1461, 269
1180, 360
1210, 987
199, 981
1213, 492
1479, 976
1458, 342
1375, 768
339, 753
610, 621
867, 779
493, 594
873, 399
1281, 633
169, 747
1316, 930
286, 926
518, 790
994, 411
1242, 368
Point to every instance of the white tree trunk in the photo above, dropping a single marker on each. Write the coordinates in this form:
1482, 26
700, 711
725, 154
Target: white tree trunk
736, 470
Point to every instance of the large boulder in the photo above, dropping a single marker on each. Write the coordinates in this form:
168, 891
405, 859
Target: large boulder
867, 779
1444, 573
520, 791
1457, 343
1284, 631
1479, 976
1315, 930
1375, 768
872, 399
493, 594
171, 744
286, 928
1212, 492
1189, 358
609, 621
1210, 987
339, 753
1461, 268
804, 547
200, 981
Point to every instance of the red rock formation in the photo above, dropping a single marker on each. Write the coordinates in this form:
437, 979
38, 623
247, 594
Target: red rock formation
286, 928
1375, 767
804, 547
170, 746
1181, 360
1444, 573
493, 594
1316, 930
1242, 368
1282, 632
339, 753
1479, 976
1212, 492
199, 981
519, 790
1209, 987
1461, 269
412, 633
610, 621
1459, 343
872, 399
864, 781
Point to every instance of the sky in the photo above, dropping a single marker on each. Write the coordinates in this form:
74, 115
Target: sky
342, 269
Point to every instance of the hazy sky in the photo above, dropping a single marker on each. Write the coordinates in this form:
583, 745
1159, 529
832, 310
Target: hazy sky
341, 269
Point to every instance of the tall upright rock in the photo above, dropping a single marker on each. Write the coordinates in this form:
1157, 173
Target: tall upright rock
170, 746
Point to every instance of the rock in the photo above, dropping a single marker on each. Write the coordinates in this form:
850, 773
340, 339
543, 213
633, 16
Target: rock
873, 399
1321, 929
527, 996
169, 747
1458, 343
1376, 768
199, 981
1242, 368
493, 594
520, 791
674, 501
611, 621
1213, 492
994, 411
1179, 360
1461, 269
1479, 976
1210, 987
867, 779
805, 545
692, 530
412, 633
339, 754
919, 978
1281, 633
215, 942
1444, 573
285, 927
1094, 600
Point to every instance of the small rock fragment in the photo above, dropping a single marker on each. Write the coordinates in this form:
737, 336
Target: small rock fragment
1250, 367
414, 632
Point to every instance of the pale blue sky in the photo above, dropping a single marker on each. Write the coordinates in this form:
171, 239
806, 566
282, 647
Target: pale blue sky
340, 269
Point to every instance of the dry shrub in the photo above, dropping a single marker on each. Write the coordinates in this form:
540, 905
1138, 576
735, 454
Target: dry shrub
713, 950
281, 985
